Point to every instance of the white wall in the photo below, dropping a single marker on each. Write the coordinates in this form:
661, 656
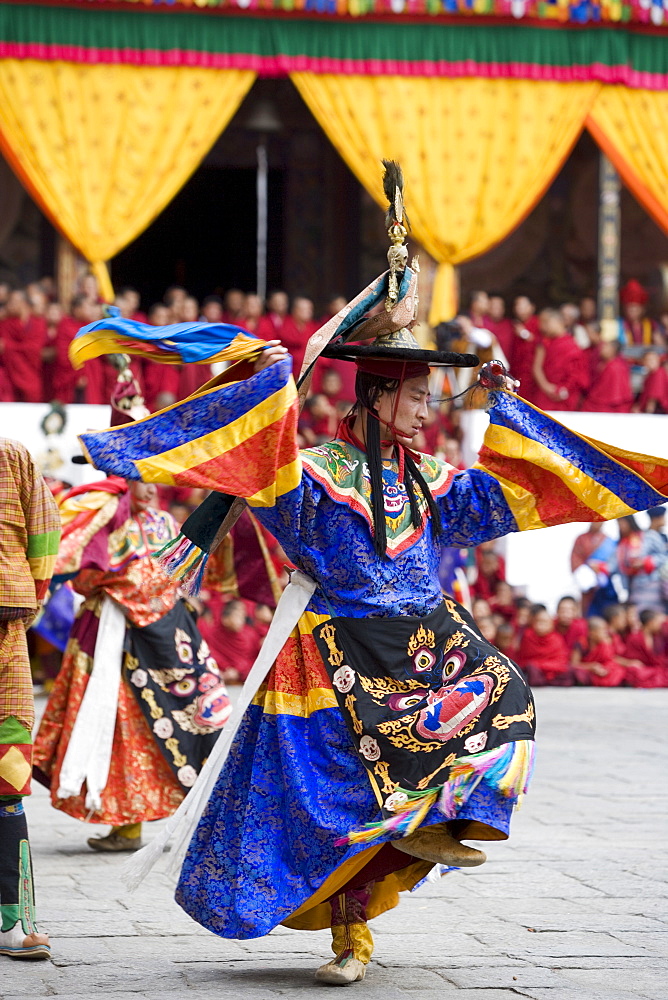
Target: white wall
21, 421
540, 560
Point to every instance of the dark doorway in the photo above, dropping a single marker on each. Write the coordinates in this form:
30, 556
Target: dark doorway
205, 239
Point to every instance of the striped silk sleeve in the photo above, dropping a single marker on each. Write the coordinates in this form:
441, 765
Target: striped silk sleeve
551, 475
239, 438
43, 528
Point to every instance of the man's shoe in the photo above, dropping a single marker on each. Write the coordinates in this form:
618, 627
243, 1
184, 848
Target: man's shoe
341, 971
436, 843
28, 946
114, 842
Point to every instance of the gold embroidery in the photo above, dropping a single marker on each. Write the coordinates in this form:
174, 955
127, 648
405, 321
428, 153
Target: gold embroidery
350, 706
452, 609
328, 633
406, 741
426, 781
457, 639
172, 745
423, 637
148, 696
382, 769
380, 687
493, 665
505, 721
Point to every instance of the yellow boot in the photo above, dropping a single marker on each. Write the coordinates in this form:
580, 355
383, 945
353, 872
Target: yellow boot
353, 946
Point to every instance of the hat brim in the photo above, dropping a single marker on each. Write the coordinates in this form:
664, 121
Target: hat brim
351, 352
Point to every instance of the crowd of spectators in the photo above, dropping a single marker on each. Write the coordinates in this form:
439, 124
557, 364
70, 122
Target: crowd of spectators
615, 634
563, 358
559, 355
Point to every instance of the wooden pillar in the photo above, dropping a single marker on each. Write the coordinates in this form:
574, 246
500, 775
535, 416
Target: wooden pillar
70, 266
609, 239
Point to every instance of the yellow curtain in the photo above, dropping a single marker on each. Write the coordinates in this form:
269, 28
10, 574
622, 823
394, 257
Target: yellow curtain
477, 154
631, 127
103, 149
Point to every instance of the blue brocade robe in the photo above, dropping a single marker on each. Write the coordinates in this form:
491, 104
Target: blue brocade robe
264, 851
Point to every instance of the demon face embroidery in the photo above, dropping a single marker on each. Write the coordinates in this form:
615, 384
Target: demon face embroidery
451, 708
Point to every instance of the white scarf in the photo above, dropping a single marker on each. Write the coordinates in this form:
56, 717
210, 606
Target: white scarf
88, 755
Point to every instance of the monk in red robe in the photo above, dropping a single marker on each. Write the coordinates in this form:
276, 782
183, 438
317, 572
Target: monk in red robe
636, 327
271, 324
599, 665
67, 382
524, 341
570, 626
543, 654
560, 369
24, 336
654, 395
296, 330
648, 646
499, 324
610, 390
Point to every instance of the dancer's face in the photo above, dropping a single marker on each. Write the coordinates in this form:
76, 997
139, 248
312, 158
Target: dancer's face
408, 412
142, 496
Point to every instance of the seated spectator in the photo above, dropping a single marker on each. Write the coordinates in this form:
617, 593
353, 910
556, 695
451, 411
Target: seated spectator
480, 609
522, 615
68, 385
502, 601
499, 324
525, 340
452, 453
648, 648
636, 328
570, 313
597, 663
53, 317
253, 310
234, 643
654, 395
318, 421
296, 330
23, 336
568, 623
543, 654
270, 326
212, 310
190, 310
560, 369
506, 641
491, 569
174, 299
610, 390
161, 382
233, 306
487, 627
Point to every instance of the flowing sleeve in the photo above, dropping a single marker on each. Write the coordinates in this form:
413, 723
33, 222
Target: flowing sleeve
547, 474
239, 439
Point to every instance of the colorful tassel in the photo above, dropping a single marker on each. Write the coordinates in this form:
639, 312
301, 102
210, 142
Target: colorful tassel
507, 770
407, 817
184, 561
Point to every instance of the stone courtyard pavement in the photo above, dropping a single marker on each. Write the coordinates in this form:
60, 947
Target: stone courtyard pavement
572, 908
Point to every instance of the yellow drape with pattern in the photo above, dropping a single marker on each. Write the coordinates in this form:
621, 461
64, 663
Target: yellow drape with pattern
476, 154
103, 149
631, 127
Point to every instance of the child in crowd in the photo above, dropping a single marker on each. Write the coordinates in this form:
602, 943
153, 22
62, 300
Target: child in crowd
233, 641
506, 641
568, 623
597, 663
647, 647
543, 654
502, 601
